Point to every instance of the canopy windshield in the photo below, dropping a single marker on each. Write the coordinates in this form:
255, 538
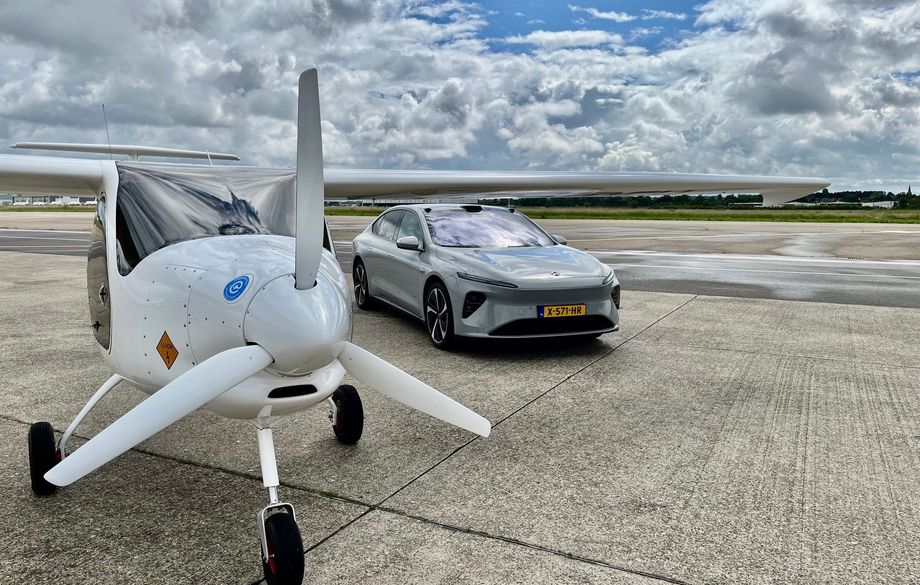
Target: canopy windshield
483, 227
160, 205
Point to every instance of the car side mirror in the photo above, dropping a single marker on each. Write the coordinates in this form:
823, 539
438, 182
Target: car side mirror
559, 239
409, 243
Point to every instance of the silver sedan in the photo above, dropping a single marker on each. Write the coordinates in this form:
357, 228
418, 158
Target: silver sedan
481, 271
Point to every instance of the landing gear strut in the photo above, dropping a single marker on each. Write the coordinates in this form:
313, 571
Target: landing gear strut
282, 546
45, 452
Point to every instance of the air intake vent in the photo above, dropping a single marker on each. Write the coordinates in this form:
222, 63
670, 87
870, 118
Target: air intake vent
292, 391
555, 326
472, 302
615, 295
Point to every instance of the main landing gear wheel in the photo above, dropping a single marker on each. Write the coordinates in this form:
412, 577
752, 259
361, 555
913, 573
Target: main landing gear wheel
347, 415
439, 317
284, 564
363, 297
43, 455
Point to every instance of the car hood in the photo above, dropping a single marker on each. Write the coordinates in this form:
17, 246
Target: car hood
526, 265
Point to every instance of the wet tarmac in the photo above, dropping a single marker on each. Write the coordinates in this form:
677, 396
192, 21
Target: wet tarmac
805, 262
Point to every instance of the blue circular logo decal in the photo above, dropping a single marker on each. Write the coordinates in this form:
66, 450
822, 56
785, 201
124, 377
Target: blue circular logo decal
235, 288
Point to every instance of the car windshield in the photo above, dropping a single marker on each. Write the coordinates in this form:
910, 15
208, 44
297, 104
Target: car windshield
483, 227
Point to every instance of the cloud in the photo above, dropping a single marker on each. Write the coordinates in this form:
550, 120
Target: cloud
567, 38
662, 14
810, 87
643, 31
595, 13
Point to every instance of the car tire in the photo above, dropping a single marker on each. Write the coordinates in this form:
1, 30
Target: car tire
439, 317
363, 297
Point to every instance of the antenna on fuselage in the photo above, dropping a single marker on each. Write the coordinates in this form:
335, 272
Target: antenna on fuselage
107, 138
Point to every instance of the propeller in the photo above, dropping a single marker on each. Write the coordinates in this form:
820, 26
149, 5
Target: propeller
309, 235
390, 381
181, 397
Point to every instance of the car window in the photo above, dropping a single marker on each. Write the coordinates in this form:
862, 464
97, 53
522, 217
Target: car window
385, 226
411, 226
483, 227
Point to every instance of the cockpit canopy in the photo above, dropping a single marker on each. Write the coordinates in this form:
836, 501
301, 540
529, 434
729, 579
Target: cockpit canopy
159, 205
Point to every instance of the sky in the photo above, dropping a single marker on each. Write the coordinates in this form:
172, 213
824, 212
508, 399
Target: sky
826, 88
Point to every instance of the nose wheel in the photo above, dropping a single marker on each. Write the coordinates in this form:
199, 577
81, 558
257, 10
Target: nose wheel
282, 546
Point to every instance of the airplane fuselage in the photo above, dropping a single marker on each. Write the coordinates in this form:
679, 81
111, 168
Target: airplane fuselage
192, 300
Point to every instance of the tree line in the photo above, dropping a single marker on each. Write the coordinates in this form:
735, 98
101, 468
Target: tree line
854, 198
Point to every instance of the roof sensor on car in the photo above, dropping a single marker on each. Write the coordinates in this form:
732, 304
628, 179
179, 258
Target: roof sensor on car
471, 208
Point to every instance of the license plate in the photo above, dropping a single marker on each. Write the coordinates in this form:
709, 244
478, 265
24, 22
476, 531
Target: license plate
562, 311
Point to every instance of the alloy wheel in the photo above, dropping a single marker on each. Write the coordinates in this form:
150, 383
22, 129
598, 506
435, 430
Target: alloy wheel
437, 315
360, 277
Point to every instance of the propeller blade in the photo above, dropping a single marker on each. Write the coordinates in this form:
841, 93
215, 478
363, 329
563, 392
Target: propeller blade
309, 235
182, 396
400, 386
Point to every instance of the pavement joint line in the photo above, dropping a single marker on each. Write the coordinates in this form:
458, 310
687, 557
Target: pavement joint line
241, 474
380, 505
538, 547
791, 355
539, 396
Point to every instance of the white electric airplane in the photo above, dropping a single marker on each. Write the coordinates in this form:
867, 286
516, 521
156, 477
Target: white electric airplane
210, 286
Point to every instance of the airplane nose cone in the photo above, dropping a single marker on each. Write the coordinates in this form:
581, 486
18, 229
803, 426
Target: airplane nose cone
302, 329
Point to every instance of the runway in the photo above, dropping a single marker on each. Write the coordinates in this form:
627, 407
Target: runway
721, 436
855, 282
66, 243
706, 261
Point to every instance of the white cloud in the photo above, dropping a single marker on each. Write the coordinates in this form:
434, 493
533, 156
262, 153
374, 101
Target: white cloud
662, 14
610, 15
567, 38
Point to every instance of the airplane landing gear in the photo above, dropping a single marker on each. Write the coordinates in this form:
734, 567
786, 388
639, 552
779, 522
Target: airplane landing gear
43, 455
282, 555
347, 414
282, 546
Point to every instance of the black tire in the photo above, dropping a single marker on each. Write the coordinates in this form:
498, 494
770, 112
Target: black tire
363, 297
285, 551
349, 415
43, 455
439, 317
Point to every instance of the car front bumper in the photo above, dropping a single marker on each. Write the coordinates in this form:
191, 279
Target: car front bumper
512, 313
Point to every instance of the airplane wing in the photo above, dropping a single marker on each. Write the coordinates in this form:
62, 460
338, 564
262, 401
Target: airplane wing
35, 175
135, 151
366, 184
42, 175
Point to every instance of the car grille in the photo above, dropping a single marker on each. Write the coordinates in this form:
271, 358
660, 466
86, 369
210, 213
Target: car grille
553, 326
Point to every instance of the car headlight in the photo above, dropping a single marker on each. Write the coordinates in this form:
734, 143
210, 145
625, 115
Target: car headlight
473, 278
609, 278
